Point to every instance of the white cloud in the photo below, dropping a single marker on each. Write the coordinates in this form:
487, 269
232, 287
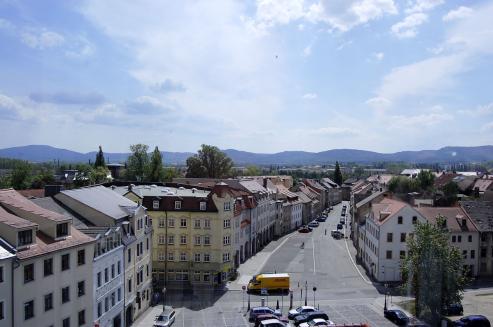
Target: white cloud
459, 13
379, 103
333, 131
422, 5
307, 51
344, 45
301, 27
418, 121
484, 110
408, 27
488, 127
42, 40
310, 96
378, 56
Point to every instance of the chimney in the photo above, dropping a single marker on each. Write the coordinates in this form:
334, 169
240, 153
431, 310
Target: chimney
464, 222
129, 187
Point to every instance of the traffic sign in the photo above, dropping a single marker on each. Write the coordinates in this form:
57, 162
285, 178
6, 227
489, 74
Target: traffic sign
243, 287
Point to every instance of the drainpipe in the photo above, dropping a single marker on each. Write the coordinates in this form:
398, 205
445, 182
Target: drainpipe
15, 264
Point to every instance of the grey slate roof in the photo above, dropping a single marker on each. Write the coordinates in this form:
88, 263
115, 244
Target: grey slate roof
368, 199
481, 212
160, 191
50, 204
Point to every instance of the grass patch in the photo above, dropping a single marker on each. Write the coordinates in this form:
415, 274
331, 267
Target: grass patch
408, 306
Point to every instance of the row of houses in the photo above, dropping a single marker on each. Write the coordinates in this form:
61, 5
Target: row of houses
81, 258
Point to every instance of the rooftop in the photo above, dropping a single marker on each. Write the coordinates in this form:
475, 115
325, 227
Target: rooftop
481, 213
14, 221
453, 215
51, 204
160, 191
382, 211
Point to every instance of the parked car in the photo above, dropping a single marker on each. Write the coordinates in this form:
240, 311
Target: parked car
342, 220
261, 318
257, 311
317, 322
304, 229
300, 310
272, 323
397, 317
336, 234
453, 309
339, 226
310, 316
472, 321
313, 224
321, 219
166, 318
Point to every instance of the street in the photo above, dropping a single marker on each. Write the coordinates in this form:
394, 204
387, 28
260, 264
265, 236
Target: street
342, 291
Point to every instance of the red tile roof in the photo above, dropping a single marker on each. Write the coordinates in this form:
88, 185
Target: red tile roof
385, 209
453, 215
14, 221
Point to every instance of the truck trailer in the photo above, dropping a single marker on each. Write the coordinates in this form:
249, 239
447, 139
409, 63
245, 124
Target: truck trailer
270, 282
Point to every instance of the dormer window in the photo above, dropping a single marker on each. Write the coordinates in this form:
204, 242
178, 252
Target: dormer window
62, 230
203, 206
177, 205
227, 206
25, 237
155, 204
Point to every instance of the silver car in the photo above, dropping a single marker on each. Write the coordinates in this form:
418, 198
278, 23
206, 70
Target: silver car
166, 318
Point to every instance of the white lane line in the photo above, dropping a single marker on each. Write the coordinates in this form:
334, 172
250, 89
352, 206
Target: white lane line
351, 258
313, 248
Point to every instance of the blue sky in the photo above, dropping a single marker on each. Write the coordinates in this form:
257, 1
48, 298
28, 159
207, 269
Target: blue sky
262, 76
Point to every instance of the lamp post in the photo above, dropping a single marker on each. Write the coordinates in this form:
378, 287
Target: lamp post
314, 290
385, 304
306, 292
164, 299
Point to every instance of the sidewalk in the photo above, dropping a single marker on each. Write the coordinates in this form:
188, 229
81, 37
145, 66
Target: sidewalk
255, 263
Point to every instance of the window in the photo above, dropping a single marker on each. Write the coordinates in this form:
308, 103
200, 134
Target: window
2, 315
81, 288
106, 277
155, 204
469, 238
207, 240
203, 206
183, 222
402, 254
403, 237
473, 254
196, 223
226, 223
129, 285
65, 261
162, 223
65, 294
66, 322
118, 268
28, 310
171, 222
196, 257
48, 302
112, 271
183, 256
483, 253
415, 220
147, 244
459, 238
171, 239
171, 256
389, 237
1, 274
464, 254
161, 256
177, 205
100, 309
207, 257
48, 267
207, 277
29, 273
453, 238
389, 254
99, 279
226, 257
82, 317
183, 239
207, 223
81, 257
62, 230
196, 276
106, 304
196, 239
161, 239
399, 220
119, 294
129, 254
113, 299
227, 206
25, 237
226, 240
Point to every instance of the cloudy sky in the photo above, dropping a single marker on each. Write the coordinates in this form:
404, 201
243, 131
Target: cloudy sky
262, 76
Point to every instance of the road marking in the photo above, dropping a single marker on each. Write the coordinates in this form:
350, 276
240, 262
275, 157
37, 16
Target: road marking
314, 269
274, 251
351, 258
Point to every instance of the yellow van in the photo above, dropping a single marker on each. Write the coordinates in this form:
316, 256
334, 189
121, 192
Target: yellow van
270, 282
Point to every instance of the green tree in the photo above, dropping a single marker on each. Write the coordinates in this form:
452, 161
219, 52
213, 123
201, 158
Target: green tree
253, 171
337, 174
426, 179
44, 177
83, 177
137, 162
433, 271
209, 162
21, 175
99, 159
156, 169
169, 174
98, 175
359, 172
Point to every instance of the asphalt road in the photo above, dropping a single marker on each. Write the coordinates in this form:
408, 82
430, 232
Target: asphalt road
323, 262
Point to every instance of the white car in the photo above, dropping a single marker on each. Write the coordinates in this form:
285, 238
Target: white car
272, 323
317, 322
300, 310
166, 318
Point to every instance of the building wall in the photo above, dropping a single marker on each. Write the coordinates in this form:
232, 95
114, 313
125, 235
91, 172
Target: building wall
41, 286
6, 291
469, 249
296, 215
486, 261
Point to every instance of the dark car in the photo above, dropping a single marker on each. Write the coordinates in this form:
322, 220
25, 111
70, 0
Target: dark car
313, 224
454, 309
339, 226
261, 318
304, 229
257, 311
472, 321
397, 317
310, 316
321, 219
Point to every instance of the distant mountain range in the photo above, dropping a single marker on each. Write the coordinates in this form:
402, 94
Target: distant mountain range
43, 153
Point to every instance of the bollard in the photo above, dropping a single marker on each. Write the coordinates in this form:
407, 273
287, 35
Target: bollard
262, 302
290, 300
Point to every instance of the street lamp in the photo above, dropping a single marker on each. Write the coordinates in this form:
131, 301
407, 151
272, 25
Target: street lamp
314, 290
385, 294
164, 299
306, 292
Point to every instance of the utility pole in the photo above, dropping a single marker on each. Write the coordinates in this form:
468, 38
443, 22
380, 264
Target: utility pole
306, 292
